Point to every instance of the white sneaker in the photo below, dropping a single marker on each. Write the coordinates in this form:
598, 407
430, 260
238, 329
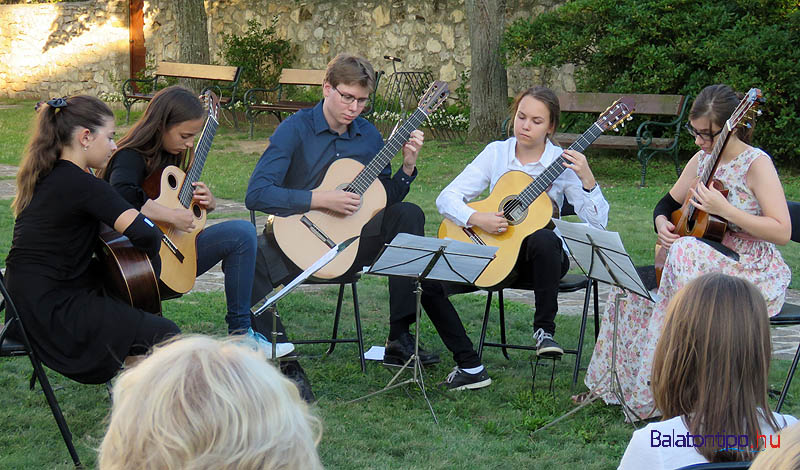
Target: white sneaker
281, 349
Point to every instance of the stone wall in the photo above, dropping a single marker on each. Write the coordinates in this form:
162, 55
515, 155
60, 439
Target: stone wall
49, 50
57, 49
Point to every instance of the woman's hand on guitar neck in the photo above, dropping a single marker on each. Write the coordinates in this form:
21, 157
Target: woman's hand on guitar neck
576, 161
489, 222
339, 201
666, 234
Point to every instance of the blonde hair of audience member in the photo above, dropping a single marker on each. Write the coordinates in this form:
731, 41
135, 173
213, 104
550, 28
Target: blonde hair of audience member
712, 361
785, 457
202, 403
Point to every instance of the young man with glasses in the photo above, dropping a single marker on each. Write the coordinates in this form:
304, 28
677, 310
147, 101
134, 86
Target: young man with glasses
283, 183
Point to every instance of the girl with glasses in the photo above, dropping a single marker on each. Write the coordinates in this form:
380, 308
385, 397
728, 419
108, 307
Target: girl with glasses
758, 220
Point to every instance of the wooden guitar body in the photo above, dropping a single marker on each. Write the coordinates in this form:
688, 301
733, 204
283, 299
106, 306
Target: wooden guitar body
178, 268
129, 273
690, 223
304, 238
521, 224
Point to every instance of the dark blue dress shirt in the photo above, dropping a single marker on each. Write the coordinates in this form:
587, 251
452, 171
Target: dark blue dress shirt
300, 151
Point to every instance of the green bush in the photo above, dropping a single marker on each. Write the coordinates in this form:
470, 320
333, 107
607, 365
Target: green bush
676, 46
260, 53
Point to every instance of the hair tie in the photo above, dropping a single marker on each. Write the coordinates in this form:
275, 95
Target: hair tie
57, 103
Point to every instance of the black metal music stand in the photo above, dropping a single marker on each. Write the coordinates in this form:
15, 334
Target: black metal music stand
602, 257
427, 258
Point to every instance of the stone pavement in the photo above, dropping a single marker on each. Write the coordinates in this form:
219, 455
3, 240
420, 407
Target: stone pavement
784, 339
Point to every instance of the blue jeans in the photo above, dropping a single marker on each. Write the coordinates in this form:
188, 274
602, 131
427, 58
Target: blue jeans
234, 243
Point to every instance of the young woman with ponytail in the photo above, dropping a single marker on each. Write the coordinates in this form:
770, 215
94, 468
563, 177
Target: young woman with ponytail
75, 327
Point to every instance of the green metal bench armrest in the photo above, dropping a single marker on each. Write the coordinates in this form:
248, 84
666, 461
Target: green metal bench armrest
251, 98
127, 85
644, 134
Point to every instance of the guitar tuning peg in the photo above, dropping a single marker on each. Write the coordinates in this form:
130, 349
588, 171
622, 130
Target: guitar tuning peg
629, 118
758, 112
616, 129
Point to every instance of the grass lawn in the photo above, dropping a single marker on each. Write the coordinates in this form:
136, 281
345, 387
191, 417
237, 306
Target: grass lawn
491, 428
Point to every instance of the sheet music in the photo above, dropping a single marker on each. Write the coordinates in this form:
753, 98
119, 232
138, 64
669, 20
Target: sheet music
580, 238
408, 255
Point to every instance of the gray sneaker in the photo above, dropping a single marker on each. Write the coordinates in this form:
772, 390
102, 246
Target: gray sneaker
460, 380
546, 346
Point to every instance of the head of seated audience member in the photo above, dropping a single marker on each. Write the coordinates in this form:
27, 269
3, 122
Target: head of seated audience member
712, 362
784, 455
202, 403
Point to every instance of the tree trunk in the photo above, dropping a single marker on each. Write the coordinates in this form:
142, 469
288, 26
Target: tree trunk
192, 23
488, 82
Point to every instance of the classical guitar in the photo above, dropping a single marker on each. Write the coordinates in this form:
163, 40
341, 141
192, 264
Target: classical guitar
304, 238
524, 202
178, 248
129, 275
690, 221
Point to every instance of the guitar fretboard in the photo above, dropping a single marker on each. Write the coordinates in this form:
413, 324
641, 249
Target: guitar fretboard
396, 141
554, 170
200, 154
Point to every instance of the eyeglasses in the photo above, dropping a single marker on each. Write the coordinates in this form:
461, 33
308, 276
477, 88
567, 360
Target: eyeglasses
348, 99
707, 136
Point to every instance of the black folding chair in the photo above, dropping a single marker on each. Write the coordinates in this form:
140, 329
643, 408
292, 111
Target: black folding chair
12, 348
569, 283
717, 466
790, 313
334, 339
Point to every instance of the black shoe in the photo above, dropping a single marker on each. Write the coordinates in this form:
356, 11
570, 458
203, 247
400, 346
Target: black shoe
399, 350
460, 380
295, 373
546, 346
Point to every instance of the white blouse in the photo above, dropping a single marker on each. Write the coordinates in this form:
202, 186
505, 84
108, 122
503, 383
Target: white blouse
497, 159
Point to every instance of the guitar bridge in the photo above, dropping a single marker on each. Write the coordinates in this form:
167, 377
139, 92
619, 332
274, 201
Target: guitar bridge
171, 246
317, 231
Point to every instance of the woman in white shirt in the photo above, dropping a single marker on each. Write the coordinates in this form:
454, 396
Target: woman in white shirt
709, 380
543, 259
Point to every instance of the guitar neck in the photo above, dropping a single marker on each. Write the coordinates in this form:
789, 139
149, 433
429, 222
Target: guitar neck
554, 170
199, 160
396, 141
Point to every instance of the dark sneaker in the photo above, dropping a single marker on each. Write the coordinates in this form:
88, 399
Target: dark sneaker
460, 380
295, 373
399, 350
546, 346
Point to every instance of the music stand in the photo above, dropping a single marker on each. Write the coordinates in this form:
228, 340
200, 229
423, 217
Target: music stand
318, 264
602, 257
427, 258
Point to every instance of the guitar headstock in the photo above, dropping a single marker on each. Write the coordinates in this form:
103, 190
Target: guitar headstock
211, 104
434, 96
747, 110
616, 114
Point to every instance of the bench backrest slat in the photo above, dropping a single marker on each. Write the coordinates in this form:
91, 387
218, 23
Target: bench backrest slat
302, 77
667, 105
207, 72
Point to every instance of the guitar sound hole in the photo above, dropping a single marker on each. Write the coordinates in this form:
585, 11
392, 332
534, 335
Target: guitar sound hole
196, 210
172, 181
513, 210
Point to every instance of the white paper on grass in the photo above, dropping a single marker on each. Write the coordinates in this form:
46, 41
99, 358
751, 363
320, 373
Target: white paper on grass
408, 255
581, 237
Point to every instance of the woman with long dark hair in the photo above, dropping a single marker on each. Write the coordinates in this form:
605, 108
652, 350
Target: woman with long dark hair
162, 137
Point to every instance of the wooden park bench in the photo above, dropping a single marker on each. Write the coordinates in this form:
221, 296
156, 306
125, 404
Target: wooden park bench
274, 101
225, 80
651, 137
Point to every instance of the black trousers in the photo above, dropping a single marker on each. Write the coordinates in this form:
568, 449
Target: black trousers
402, 217
540, 266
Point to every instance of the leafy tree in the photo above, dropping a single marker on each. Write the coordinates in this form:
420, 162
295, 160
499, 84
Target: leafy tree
676, 46
260, 53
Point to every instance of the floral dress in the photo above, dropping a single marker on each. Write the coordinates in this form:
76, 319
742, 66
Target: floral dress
641, 320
